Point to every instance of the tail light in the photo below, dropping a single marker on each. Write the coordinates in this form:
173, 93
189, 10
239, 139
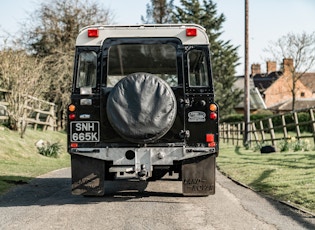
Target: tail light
210, 140
74, 145
71, 109
71, 116
213, 111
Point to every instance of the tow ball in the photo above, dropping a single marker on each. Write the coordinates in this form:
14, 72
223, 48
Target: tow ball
143, 173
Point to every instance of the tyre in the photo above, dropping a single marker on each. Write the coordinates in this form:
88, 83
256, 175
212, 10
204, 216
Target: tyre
141, 108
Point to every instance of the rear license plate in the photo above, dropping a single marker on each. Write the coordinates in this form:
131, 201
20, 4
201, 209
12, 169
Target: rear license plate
88, 131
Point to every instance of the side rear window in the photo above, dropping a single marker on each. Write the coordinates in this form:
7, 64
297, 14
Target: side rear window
87, 70
198, 69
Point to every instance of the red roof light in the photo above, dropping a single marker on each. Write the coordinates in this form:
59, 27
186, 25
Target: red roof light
93, 33
191, 32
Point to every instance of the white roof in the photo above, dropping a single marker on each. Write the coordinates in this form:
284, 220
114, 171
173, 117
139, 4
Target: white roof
145, 31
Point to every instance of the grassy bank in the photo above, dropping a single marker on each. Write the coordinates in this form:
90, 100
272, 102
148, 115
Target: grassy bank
287, 176
20, 160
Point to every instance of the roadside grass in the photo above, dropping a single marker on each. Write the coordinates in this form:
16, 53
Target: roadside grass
287, 176
20, 160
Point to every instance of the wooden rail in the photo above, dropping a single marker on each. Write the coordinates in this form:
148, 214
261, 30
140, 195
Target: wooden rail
42, 113
265, 130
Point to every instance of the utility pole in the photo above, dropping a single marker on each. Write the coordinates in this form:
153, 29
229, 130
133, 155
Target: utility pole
246, 83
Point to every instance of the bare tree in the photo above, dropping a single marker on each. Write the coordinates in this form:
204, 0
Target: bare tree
22, 75
51, 33
299, 47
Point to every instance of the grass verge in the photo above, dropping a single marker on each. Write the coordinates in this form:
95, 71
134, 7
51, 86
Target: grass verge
286, 176
20, 160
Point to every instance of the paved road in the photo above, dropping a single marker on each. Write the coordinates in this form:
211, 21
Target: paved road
46, 203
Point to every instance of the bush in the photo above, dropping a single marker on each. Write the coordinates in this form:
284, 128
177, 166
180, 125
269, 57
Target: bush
50, 150
284, 146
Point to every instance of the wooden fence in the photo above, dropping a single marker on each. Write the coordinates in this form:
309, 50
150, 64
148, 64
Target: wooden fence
41, 113
300, 124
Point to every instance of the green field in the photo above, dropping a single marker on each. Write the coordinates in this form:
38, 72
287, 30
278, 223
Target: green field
286, 176
20, 160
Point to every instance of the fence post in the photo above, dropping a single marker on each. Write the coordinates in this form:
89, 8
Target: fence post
255, 131
285, 131
262, 131
272, 133
296, 121
228, 132
238, 133
313, 124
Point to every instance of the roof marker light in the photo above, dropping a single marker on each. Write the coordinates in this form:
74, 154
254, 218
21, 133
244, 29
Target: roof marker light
191, 32
93, 33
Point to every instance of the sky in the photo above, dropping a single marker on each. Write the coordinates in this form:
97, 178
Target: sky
268, 21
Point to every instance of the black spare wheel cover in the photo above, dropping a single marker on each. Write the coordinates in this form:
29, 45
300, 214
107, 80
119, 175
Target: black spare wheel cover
141, 107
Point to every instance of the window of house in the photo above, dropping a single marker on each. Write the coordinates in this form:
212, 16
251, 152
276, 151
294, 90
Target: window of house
302, 94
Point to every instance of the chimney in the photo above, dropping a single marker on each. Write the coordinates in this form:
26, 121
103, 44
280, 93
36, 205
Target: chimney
271, 66
287, 66
255, 68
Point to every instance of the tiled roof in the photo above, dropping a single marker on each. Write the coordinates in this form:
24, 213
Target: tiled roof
308, 79
300, 103
263, 81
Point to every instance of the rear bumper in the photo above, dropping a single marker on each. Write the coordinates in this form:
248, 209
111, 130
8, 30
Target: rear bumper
157, 156
140, 162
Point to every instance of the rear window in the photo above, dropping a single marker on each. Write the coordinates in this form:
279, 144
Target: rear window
157, 59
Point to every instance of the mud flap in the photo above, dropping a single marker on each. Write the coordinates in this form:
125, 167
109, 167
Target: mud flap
198, 176
88, 176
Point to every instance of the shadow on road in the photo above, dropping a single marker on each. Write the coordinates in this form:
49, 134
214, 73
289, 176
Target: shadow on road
57, 191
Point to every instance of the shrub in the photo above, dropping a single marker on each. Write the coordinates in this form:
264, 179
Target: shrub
297, 146
284, 146
50, 150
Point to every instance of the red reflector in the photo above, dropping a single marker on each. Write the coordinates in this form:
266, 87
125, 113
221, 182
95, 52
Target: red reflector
209, 137
71, 116
191, 32
213, 116
74, 145
212, 144
92, 32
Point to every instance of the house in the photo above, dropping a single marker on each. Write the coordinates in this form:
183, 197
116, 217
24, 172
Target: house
278, 96
273, 89
262, 81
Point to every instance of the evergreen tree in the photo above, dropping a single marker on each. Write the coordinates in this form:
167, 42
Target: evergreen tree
224, 55
159, 11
